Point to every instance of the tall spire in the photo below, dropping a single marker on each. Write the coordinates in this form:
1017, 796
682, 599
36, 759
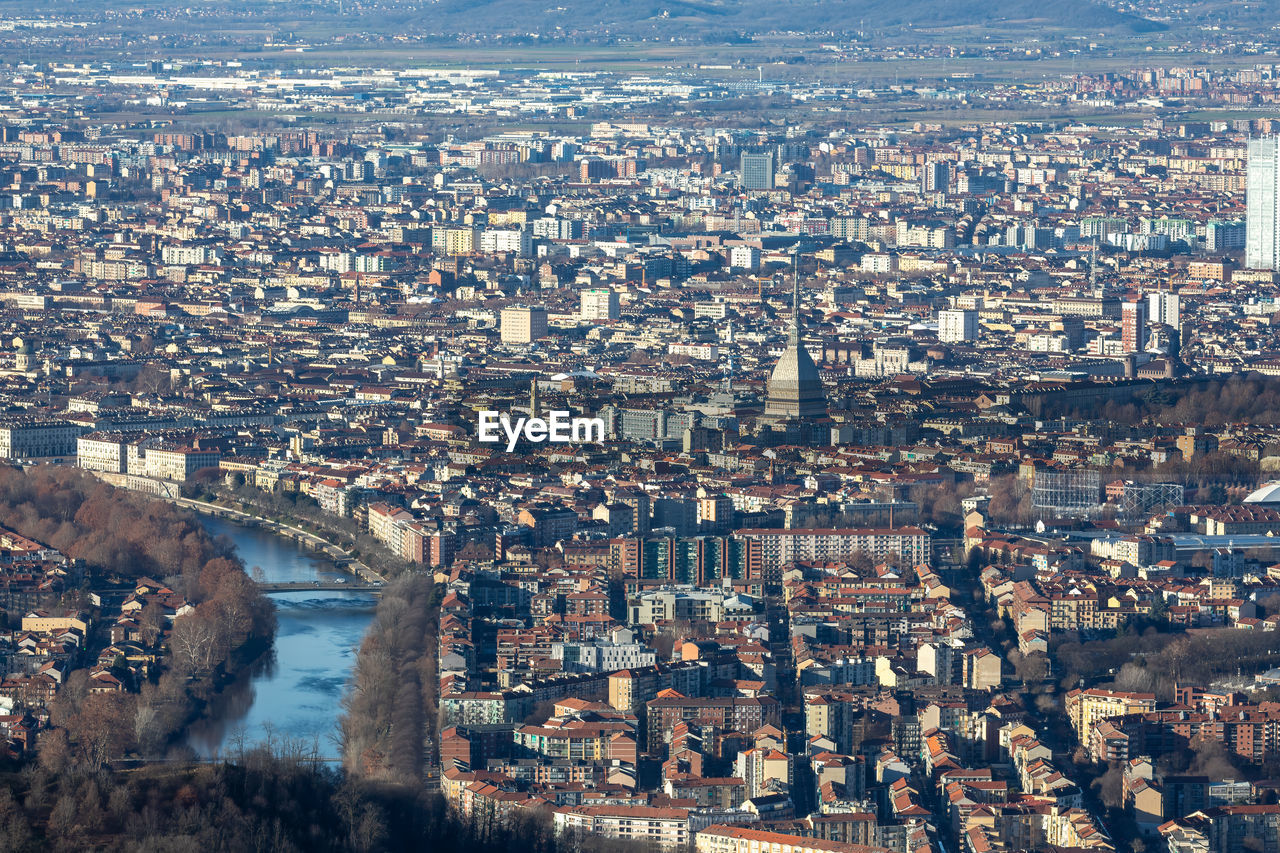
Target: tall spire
794, 338
795, 388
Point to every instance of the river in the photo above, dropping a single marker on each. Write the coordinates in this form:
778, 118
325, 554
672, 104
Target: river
295, 691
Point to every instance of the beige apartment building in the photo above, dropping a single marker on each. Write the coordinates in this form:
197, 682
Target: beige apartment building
523, 324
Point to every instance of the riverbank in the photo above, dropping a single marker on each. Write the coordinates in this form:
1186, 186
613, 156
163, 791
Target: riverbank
389, 728
340, 556
337, 555
298, 511
365, 722
390, 702
293, 695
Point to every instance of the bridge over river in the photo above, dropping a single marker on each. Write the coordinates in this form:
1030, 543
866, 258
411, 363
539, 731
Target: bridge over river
321, 586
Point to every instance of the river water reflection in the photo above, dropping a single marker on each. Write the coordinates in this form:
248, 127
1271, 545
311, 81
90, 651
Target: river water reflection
295, 691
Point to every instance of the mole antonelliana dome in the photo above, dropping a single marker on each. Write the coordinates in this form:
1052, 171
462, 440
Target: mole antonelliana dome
795, 389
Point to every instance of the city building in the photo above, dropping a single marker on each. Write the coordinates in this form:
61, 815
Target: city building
1262, 201
523, 324
757, 171
957, 326
1133, 335
795, 391
25, 437
599, 305
1164, 306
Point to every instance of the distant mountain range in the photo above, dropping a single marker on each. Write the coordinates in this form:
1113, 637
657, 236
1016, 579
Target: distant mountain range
673, 17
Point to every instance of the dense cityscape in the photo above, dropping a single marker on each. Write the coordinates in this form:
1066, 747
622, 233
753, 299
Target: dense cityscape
840, 441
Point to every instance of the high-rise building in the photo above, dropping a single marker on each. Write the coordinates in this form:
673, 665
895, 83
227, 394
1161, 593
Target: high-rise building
1262, 225
757, 171
1133, 326
1224, 236
935, 177
523, 324
795, 388
1164, 307
599, 304
955, 326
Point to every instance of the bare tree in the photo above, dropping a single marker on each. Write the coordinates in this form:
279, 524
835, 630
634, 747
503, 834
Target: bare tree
194, 643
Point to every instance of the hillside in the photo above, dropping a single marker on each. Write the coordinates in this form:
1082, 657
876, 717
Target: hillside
667, 18
601, 20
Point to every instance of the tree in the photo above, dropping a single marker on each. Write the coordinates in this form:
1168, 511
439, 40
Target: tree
1110, 786
62, 819
112, 530
548, 558
152, 622
195, 643
1210, 758
145, 728
940, 505
388, 712
233, 601
55, 750
1032, 669
103, 728
1176, 656
1160, 609
1010, 500
663, 643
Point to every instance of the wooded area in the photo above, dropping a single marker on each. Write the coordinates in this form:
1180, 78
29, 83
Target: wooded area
265, 801
113, 530
391, 707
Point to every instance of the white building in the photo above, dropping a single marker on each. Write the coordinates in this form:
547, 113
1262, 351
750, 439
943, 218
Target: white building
514, 241
600, 304
955, 325
179, 463
740, 839
1164, 307
190, 255
662, 828
603, 656
335, 261
101, 452
878, 263
1262, 225
22, 438
703, 352
744, 257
